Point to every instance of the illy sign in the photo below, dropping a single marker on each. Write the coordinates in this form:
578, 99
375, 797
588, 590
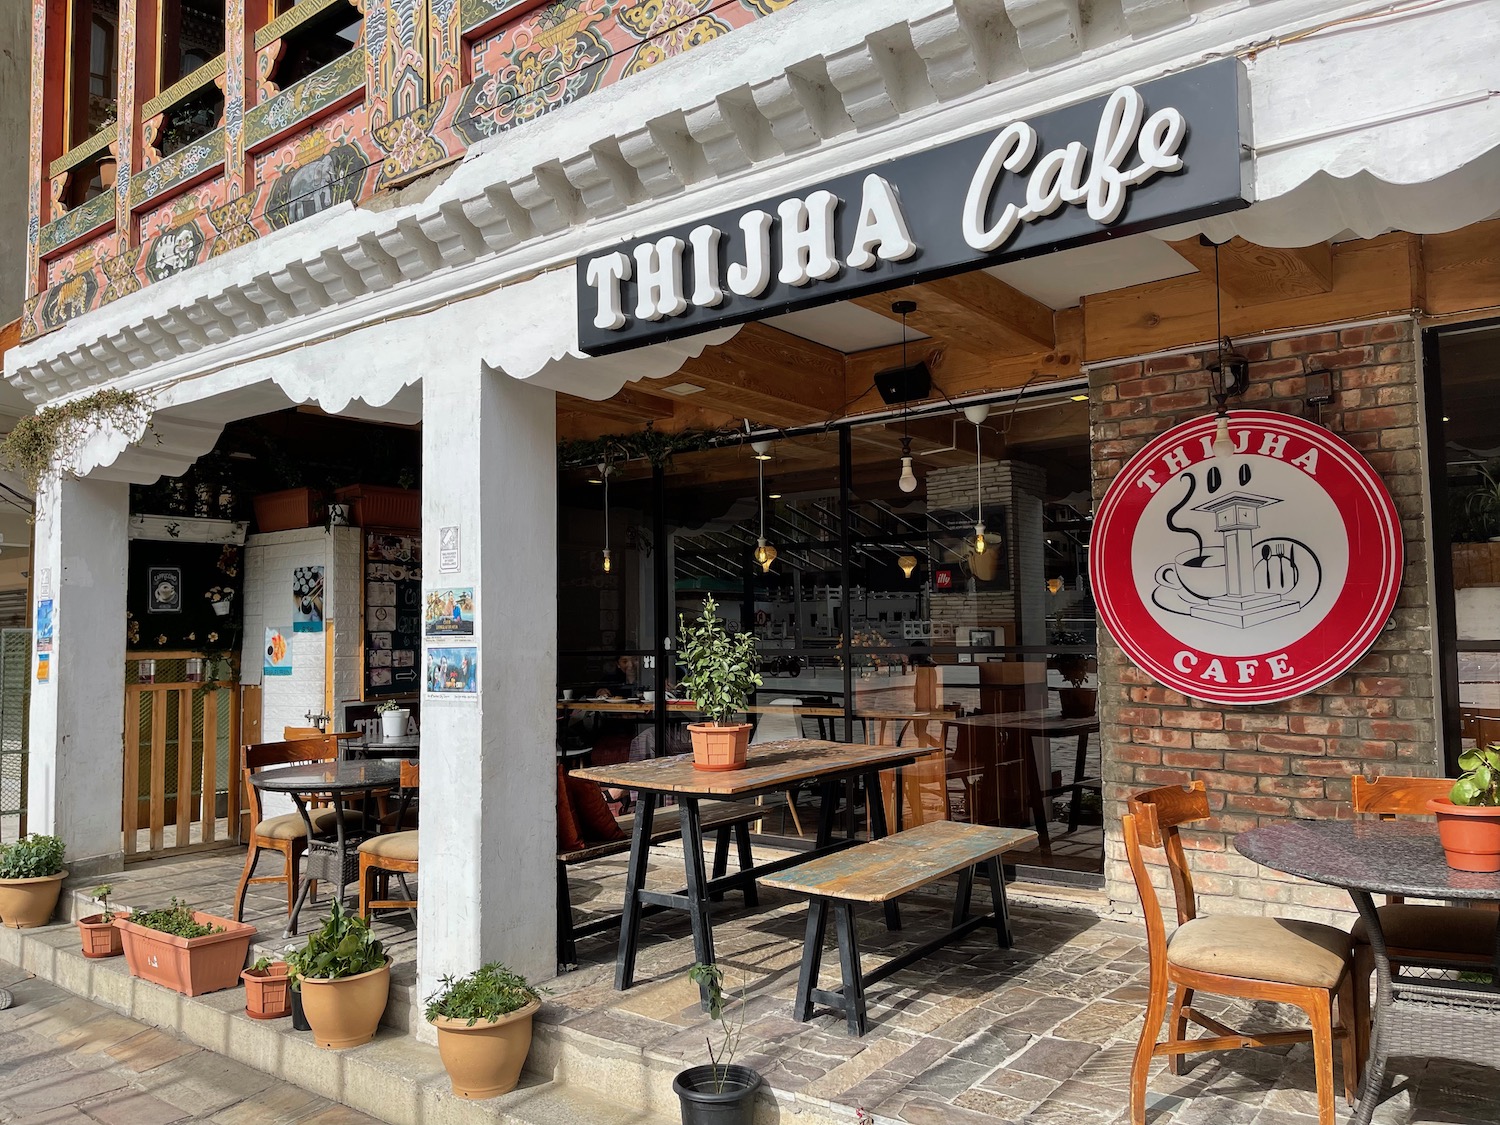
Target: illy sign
1250, 577
1140, 157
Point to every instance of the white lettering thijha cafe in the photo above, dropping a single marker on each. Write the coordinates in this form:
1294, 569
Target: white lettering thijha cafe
807, 252
658, 270
750, 278
707, 292
605, 274
881, 224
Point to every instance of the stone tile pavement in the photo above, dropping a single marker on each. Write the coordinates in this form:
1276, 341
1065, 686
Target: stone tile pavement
67, 1061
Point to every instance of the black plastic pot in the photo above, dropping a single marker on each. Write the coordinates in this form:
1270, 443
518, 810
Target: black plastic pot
299, 1020
702, 1104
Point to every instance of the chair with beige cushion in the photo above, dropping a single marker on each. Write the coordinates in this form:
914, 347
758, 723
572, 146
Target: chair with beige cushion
287, 833
1414, 931
391, 853
1283, 960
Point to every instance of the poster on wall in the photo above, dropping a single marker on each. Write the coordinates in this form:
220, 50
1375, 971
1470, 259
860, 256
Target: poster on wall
43, 667
307, 599
44, 625
393, 613
278, 652
1248, 573
452, 671
165, 589
450, 612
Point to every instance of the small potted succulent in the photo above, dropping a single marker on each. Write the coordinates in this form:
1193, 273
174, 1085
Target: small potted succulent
720, 1093
186, 950
344, 978
719, 677
268, 992
1469, 817
393, 718
101, 937
483, 1024
31, 878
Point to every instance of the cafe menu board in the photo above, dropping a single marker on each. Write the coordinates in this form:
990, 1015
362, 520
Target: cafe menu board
393, 613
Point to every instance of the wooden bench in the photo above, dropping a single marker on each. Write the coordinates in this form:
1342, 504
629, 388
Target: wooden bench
724, 817
881, 871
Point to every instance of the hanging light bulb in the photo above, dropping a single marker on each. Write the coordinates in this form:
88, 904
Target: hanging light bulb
977, 414
907, 563
765, 554
604, 476
908, 480
606, 560
1054, 585
1223, 445
979, 543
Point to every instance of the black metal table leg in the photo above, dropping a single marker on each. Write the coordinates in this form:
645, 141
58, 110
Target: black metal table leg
964, 896
878, 830
812, 957
1374, 1077
635, 882
849, 968
1076, 808
721, 858
997, 901
303, 884
567, 951
827, 814
697, 889
747, 861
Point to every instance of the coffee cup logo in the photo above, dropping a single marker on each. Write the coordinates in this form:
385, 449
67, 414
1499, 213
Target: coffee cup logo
1252, 576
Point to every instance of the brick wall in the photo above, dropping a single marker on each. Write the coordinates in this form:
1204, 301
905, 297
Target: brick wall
1294, 759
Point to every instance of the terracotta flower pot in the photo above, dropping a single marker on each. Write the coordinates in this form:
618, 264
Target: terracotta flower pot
485, 1061
375, 505
1470, 834
191, 966
101, 938
720, 748
268, 992
286, 510
346, 1012
25, 903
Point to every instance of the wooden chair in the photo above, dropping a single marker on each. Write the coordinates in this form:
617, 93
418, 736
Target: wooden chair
1282, 960
1413, 932
286, 833
387, 854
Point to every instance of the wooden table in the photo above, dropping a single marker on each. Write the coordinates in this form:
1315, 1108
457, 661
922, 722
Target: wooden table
773, 767
1019, 728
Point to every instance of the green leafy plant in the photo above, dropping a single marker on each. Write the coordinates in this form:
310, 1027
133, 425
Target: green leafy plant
101, 894
711, 978
31, 857
1479, 783
387, 707
487, 993
343, 947
720, 667
261, 965
177, 919
51, 438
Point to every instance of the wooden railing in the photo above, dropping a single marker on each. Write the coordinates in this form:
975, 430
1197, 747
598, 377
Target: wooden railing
182, 758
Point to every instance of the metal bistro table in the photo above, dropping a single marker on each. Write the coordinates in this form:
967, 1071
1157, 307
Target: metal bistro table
334, 861
1412, 1015
773, 767
406, 746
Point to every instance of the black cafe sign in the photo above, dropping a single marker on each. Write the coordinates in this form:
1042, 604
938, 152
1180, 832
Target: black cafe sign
1142, 157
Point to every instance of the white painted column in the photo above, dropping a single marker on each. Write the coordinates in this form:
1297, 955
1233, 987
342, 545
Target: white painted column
488, 835
78, 713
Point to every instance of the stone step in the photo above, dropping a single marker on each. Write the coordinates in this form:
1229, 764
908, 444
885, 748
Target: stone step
396, 1078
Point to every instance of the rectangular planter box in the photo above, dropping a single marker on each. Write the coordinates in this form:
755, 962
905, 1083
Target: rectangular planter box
374, 505
286, 511
191, 966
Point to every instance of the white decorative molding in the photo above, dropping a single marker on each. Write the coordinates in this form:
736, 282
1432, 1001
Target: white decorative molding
1145, 17
1047, 30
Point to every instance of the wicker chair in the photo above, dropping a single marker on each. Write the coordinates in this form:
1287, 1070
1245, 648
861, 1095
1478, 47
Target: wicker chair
1285, 961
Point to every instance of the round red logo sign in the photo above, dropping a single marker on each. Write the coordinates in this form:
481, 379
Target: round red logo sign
1246, 576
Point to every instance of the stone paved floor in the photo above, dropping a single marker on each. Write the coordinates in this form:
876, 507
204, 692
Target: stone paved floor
66, 1061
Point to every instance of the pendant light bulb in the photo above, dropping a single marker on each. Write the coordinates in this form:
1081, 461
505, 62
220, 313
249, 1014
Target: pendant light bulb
1223, 445
765, 554
908, 478
907, 563
606, 560
979, 543
604, 476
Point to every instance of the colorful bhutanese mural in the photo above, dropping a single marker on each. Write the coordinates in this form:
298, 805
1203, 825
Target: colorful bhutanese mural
389, 111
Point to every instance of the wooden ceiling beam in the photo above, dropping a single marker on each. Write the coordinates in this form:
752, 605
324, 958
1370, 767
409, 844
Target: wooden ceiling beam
1252, 274
770, 377
974, 312
629, 404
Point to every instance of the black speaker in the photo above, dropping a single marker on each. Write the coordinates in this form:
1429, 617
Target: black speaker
904, 384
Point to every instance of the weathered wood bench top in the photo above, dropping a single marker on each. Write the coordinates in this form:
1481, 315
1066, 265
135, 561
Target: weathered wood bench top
885, 869
667, 826
771, 766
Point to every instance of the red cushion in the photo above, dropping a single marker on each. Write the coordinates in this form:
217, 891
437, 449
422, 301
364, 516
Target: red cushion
596, 824
568, 837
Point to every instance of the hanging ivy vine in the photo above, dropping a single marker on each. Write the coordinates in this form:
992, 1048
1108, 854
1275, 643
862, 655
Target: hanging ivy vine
54, 435
648, 445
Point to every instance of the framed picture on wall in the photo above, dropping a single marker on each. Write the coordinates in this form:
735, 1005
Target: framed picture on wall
164, 593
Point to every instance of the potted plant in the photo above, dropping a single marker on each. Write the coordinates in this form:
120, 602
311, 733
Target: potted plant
220, 598
720, 675
344, 977
377, 505
483, 1024
393, 718
31, 877
1469, 817
719, 1093
101, 937
186, 950
1077, 701
268, 991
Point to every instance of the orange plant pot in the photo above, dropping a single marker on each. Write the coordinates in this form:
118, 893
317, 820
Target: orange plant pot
377, 505
720, 748
101, 938
1470, 834
286, 510
485, 1061
268, 992
191, 966
346, 1011
27, 903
